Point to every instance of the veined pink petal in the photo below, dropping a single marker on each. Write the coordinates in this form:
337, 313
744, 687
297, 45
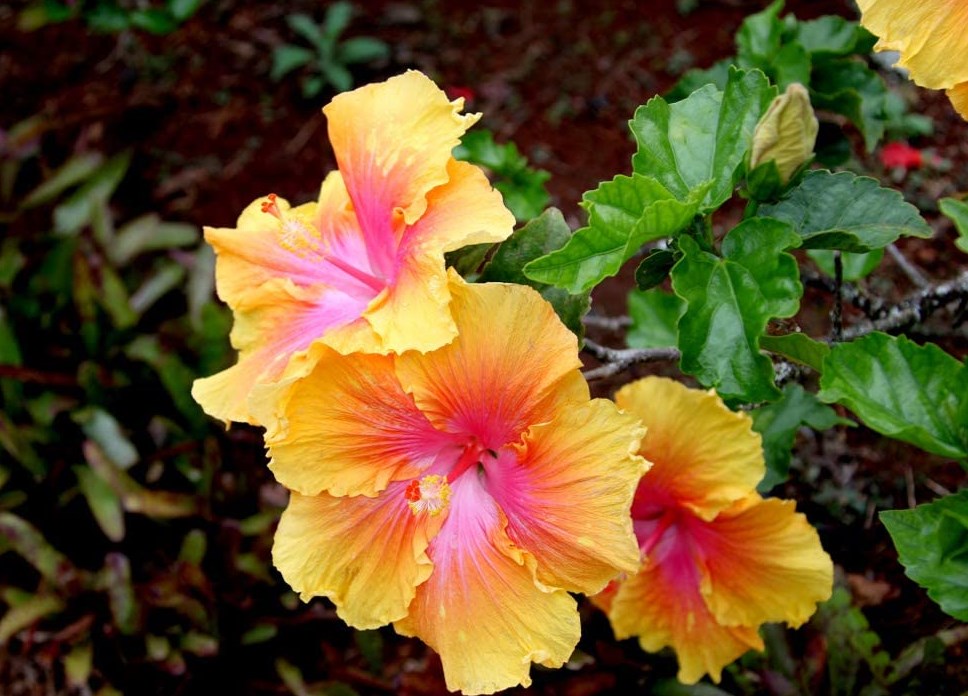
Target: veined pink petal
566, 490
392, 142
491, 383
481, 609
347, 427
663, 606
367, 555
273, 322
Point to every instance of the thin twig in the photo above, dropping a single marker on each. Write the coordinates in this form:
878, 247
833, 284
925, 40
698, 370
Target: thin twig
872, 307
837, 314
910, 270
914, 309
609, 323
618, 359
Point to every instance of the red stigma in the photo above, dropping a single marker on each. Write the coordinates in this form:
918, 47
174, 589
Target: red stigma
269, 205
413, 491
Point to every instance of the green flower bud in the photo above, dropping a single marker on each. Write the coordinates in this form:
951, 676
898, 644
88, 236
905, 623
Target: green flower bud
786, 133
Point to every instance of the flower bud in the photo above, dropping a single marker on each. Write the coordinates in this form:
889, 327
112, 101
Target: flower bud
786, 133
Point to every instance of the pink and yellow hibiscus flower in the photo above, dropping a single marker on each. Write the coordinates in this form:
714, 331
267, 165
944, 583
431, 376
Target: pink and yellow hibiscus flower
718, 560
460, 494
932, 38
361, 269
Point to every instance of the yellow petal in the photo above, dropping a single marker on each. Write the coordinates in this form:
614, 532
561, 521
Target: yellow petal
763, 562
662, 606
511, 365
365, 554
481, 609
704, 456
931, 36
347, 427
959, 98
567, 489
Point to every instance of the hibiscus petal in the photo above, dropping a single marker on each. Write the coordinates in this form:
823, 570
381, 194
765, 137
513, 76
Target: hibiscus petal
392, 141
367, 555
251, 253
929, 34
959, 98
704, 456
493, 383
272, 323
465, 210
763, 562
566, 490
347, 427
662, 605
481, 609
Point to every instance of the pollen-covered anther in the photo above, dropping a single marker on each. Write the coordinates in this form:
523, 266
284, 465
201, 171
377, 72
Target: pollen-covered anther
430, 495
271, 207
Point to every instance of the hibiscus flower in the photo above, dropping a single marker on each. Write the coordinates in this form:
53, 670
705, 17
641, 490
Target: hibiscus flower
718, 560
460, 494
362, 269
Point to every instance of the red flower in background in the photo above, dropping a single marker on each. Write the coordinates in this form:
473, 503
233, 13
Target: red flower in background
901, 155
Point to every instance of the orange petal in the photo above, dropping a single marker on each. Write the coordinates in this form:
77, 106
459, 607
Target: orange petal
481, 609
566, 490
763, 562
511, 365
704, 456
662, 605
367, 555
347, 427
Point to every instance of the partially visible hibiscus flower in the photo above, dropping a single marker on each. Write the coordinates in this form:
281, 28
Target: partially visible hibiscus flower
932, 38
362, 269
718, 560
460, 494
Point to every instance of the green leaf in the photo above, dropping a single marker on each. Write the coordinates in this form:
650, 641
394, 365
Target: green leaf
370, 645
162, 281
104, 429
848, 212
362, 49
957, 212
654, 268
104, 503
149, 233
702, 138
12, 261
31, 545
113, 296
305, 27
729, 301
545, 233
832, 36
855, 266
77, 211
791, 64
918, 394
154, 21
28, 613
287, 58
932, 545
655, 315
183, 10
107, 18
850, 88
337, 76
778, 423
77, 665
716, 75
798, 347
116, 578
338, 17
759, 37
624, 214
71, 173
